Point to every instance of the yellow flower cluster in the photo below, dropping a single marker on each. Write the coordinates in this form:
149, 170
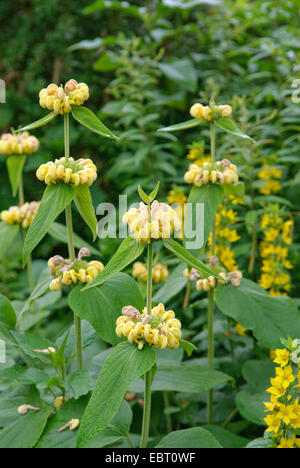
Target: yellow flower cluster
23, 215
159, 221
198, 111
18, 144
222, 172
234, 277
270, 175
177, 197
61, 99
284, 418
225, 235
160, 329
274, 253
69, 171
159, 272
67, 272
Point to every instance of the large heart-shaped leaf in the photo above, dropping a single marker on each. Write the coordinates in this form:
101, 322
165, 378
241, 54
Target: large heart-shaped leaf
55, 199
88, 119
7, 313
124, 365
197, 437
102, 305
270, 318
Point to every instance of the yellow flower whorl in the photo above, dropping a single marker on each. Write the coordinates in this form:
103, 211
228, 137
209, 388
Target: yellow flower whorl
22, 215
159, 272
61, 100
18, 144
68, 273
198, 111
69, 171
221, 172
159, 223
160, 329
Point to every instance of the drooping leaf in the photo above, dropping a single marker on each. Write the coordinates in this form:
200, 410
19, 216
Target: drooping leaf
226, 438
88, 119
187, 346
55, 199
251, 406
124, 365
41, 287
230, 127
84, 204
197, 437
15, 166
182, 126
102, 305
128, 251
38, 123
8, 233
187, 257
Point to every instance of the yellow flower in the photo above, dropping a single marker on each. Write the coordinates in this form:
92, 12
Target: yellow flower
240, 329
284, 376
176, 196
160, 329
18, 144
286, 443
221, 172
159, 272
61, 100
271, 186
158, 222
272, 422
286, 413
69, 171
281, 357
287, 232
23, 215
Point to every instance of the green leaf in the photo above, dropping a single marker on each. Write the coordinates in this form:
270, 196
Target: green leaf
229, 126
197, 437
65, 439
15, 166
128, 251
154, 191
12, 400
174, 284
187, 257
41, 287
79, 383
270, 318
7, 234
38, 123
182, 126
261, 443
84, 204
55, 199
26, 431
251, 406
188, 347
191, 379
88, 119
212, 196
101, 306
29, 342
7, 313
145, 198
59, 232
237, 190
226, 438
124, 365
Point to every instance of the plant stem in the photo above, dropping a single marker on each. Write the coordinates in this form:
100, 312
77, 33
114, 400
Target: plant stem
168, 416
148, 375
253, 251
211, 298
187, 294
69, 225
21, 191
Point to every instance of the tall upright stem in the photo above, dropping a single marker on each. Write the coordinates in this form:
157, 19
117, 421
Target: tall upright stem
148, 375
21, 191
69, 225
211, 294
